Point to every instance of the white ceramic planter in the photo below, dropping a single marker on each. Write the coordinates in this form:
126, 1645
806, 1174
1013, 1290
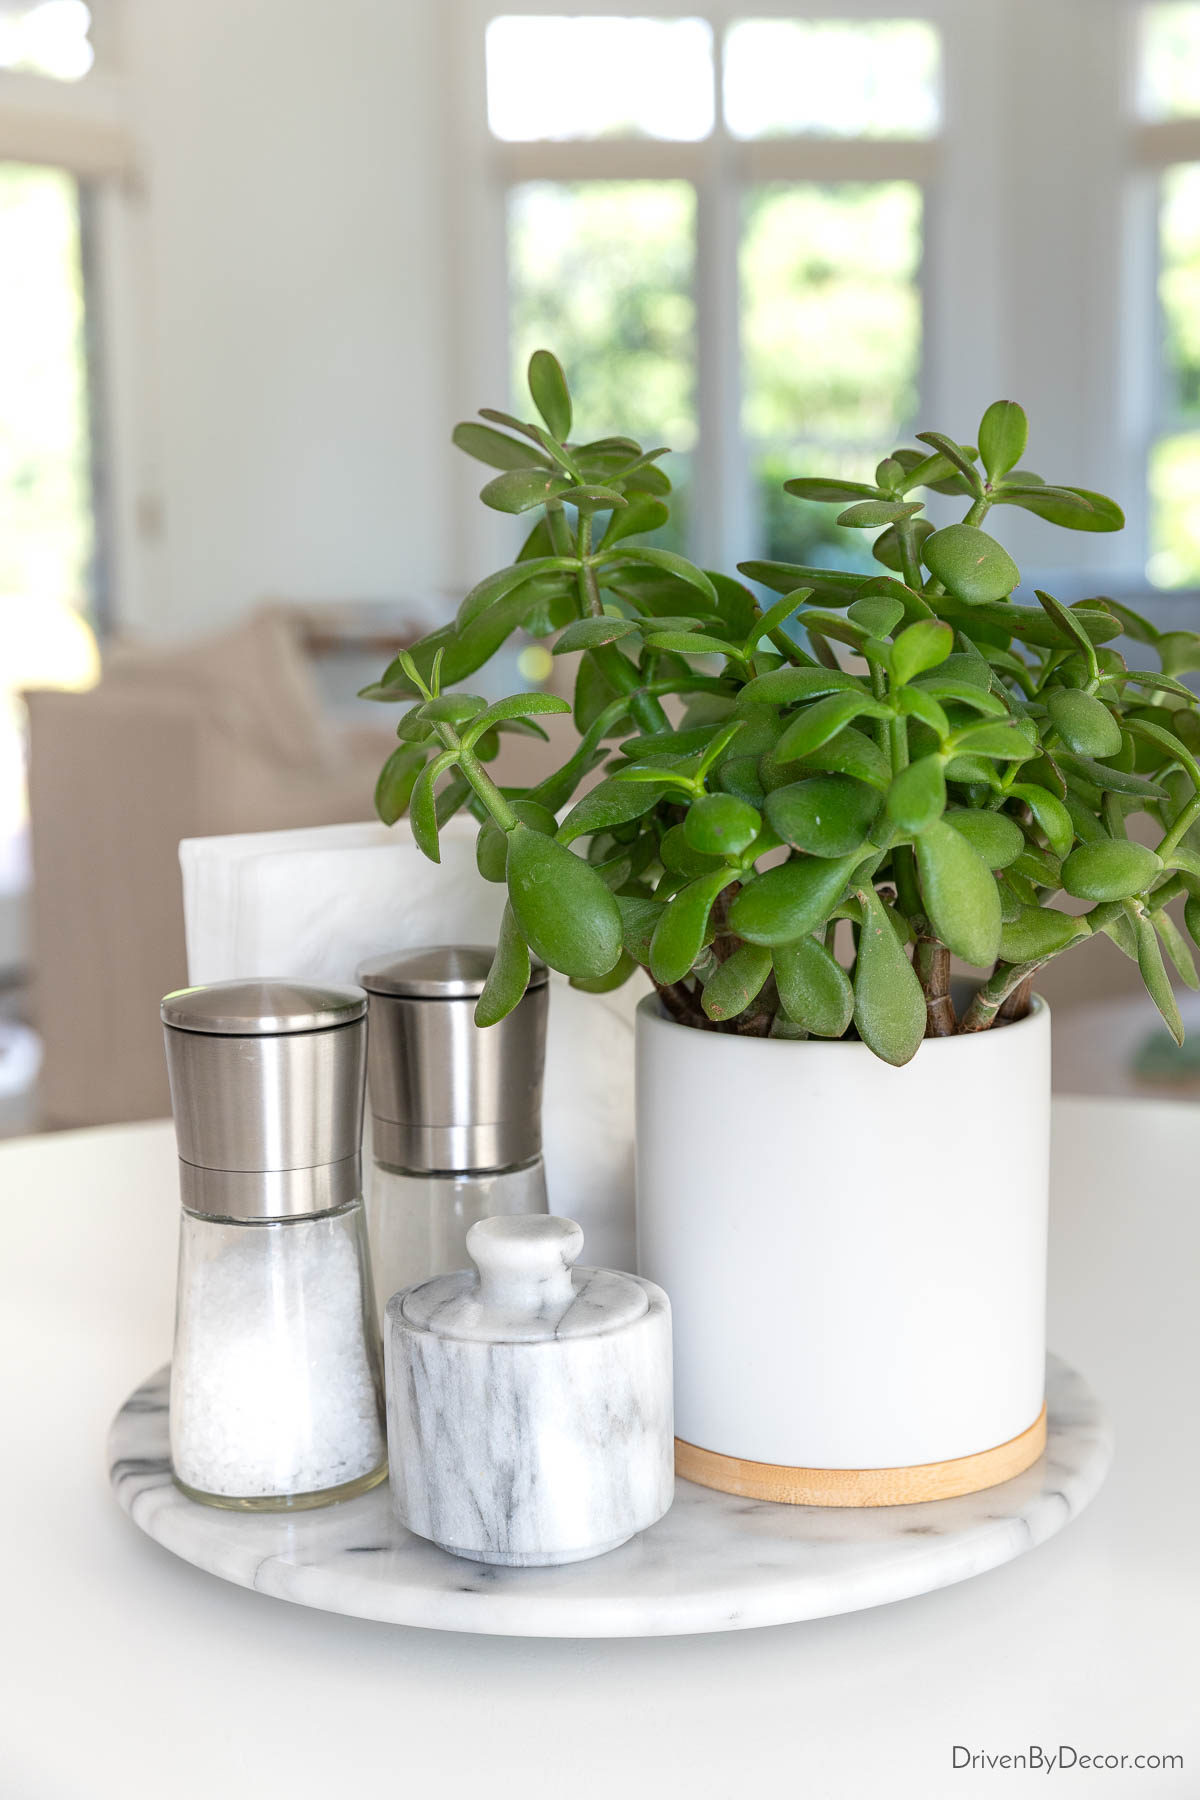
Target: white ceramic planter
855, 1256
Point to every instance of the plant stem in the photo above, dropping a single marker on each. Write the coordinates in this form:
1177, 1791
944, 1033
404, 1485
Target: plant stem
620, 673
933, 969
910, 566
1017, 1004
590, 602
981, 1014
479, 779
1180, 828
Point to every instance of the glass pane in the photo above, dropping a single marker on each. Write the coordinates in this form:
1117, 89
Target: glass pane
590, 78
871, 78
800, 531
831, 343
1175, 512
45, 503
1169, 63
1179, 290
50, 38
601, 273
831, 309
45, 499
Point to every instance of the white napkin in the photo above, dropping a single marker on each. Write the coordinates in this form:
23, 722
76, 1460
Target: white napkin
312, 904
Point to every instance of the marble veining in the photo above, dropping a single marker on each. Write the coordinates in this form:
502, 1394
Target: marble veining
530, 1404
714, 1563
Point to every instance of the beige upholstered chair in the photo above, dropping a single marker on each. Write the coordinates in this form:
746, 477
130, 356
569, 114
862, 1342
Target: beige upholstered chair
228, 735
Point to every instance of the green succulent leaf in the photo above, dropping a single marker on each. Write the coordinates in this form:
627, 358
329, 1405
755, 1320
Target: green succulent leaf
1003, 433
961, 457
516, 706
506, 581
820, 488
962, 693
1006, 743
633, 520
548, 385
1154, 975
972, 565
868, 513
878, 614
496, 449
1084, 723
491, 845
589, 634
508, 976
889, 1007
609, 803
396, 781
1179, 651
691, 643
721, 825
639, 918
917, 795
1050, 813
646, 556
1110, 870
736, 982
781, 687
422, 806
787, 902
1038, 932
1098, 513
1176, 947
915, 702
680, 933
850, 752
827, 815
922, 646
814, 989
1100, 775
960, 893
824, 719
518, 490
566, 914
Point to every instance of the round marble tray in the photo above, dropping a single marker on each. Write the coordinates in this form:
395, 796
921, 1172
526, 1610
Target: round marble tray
715, 1563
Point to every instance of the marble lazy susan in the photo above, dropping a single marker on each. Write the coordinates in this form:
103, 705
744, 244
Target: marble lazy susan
714, 1563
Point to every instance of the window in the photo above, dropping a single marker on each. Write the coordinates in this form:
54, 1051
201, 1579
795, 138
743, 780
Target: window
831, 332
558, 78
46, 531
48, 38
1168, 93
717, 222
839, 78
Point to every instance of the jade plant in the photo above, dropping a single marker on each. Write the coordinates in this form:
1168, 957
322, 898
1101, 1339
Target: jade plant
807, 805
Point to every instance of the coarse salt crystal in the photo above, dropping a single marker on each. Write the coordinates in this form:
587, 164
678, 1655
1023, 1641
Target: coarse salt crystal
273, 1391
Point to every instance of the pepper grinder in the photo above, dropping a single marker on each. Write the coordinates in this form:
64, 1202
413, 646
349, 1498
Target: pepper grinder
456, 1109
276, 1396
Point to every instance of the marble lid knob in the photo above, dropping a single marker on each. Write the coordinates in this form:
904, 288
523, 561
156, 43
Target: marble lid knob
524, 1261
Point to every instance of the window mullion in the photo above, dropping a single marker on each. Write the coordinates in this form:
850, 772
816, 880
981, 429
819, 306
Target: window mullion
721, 523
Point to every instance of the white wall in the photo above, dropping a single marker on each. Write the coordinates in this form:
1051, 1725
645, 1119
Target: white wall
286, 273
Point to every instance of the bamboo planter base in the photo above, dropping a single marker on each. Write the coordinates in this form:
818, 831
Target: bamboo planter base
862, 1487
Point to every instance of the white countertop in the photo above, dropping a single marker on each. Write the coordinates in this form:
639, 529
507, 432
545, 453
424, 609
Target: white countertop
125, 1672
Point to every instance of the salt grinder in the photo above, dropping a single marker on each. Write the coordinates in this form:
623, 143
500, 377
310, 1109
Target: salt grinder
529, 1403
276, 1391
456, 1109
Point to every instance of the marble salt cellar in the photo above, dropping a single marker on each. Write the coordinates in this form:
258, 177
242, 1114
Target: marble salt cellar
529, 1400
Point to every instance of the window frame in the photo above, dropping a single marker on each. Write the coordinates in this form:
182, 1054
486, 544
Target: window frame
946, 167
1156, 147
78, 127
